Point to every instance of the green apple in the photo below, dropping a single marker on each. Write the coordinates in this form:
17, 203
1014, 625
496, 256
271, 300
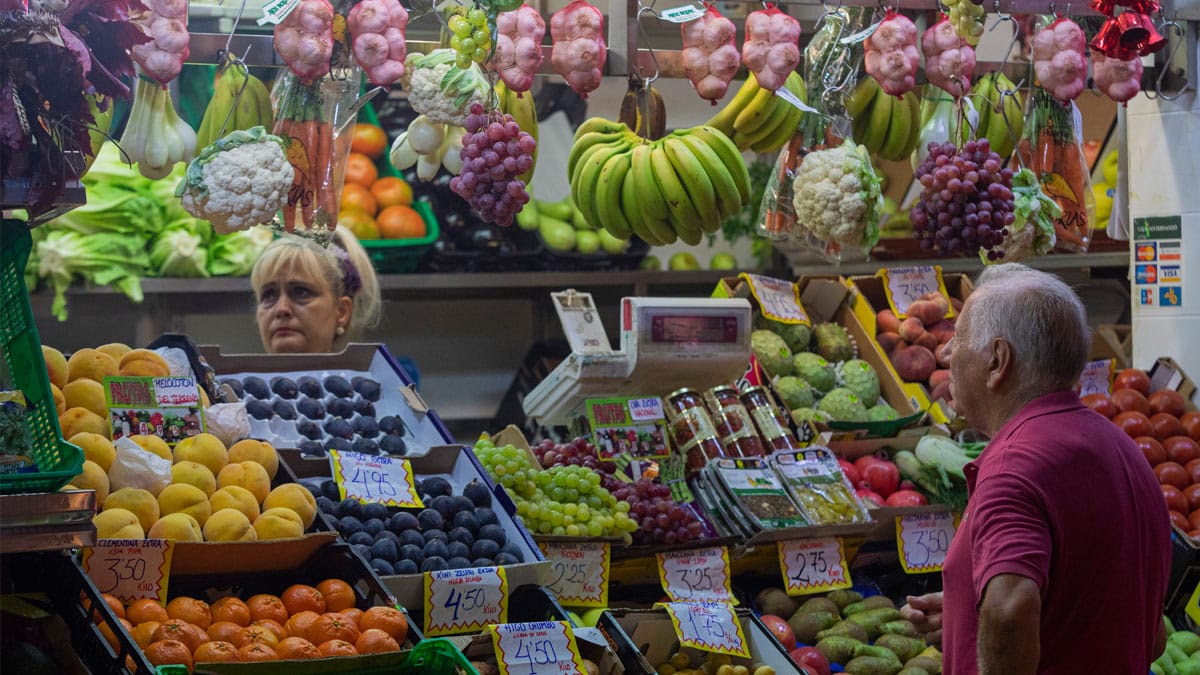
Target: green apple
651, 262
723, 261
683, 261
592, 616
611, 244
587, 242
559, 236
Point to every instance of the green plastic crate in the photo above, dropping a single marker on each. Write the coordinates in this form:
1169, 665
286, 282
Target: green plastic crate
437, 656
58, 461
401, 256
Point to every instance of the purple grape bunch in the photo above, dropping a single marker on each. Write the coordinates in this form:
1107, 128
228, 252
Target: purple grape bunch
966, 202
495, 151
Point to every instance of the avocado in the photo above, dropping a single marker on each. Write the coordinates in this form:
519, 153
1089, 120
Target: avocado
872, 665
837, 648
903, 647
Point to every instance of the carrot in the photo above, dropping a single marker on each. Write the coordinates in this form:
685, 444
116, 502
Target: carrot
324, 168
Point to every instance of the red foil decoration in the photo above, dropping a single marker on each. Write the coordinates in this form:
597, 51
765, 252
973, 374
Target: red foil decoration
1142, 6
1108, 42
1133, 29
1105, 7
1153, 42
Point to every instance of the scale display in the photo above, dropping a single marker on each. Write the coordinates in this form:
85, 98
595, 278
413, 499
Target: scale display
694, 329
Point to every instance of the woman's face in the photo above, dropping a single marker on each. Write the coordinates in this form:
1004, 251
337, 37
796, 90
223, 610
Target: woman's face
299, 314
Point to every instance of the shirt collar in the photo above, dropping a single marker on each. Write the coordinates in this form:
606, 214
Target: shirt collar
1046, 404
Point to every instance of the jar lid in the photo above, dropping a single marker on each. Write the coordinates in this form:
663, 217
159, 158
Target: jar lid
723, 388
680, 392
756, 389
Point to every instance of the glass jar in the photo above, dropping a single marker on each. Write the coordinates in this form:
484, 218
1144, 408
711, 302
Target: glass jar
692, 429
733, 422
772, 425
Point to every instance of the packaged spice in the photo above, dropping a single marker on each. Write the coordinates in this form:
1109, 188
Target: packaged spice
814, 479
692, 429
772, 425
758, 493
733, 422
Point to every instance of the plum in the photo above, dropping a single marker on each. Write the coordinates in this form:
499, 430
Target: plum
341, 407
284, 409
388, 534
484, 548
339, 428
325, 504
483, 562
465, 520
402, 521
486, 516
329, 489
434, 564
385, 549
366, 446
310, 430
375, 510
349, 507
442, 504
494, 532
364, 407
406, 567
391, 425
435, 486
461, 535
259, 410
256, 387
461, 503
430, 535
459, 563
457, 549
434, 548
310, 387
367, 388
503, 558
512, 549
311, 408
285, 387
478, 493
338, 386
383, 567
429, 519
366, 427
410, 552
362, 538
339, 444
312, 448
236, 386
412, 538
392, 445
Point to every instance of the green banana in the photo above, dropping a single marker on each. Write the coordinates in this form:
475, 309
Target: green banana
695, 180
899, 129
587, 142
724, 119
649, 199
984, 98
759, 108
609, 214
639, 220
603, 125
880, 118
861, 97
684, 217
729, 201
914, 132
524, 114
730, 156
583, 188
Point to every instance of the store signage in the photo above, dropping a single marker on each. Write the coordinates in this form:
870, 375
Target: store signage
923, 539
167, 407
275, 11
130, 569
536, 648
813, 565
708, 626
905, 285
628, 426
699, 575
374, 478
682, 14
580, 572
778, 299
465, 600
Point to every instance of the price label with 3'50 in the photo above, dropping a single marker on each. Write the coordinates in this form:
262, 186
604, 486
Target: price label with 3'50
708, 626
130, 569
905, 285
699, 575
813, 565
542, 648
465, 601
579, 571
923, 539
374, 478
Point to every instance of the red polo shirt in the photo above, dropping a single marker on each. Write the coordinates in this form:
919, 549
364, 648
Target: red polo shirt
1063, 497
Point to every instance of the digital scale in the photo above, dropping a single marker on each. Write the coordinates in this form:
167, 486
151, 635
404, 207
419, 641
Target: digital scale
666, 343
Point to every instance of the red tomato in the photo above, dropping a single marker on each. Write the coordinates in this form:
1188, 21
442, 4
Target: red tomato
1193, 469
1102, 404
781, 630
1181, 521
1165, 425
851, 471
867, 495
1134, 423
1174, 498
1152, 449
1171, 473
1129, 399
1168, 401
1132, 378
1193, 521
1192, 493
1181, 449
1191, 424
905, 498
882, 477
809, 657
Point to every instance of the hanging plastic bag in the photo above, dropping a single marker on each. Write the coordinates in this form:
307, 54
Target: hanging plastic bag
776, 215
1051, 148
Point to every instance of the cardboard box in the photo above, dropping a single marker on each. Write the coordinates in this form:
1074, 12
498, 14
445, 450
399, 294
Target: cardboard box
1112, 341
1166, 373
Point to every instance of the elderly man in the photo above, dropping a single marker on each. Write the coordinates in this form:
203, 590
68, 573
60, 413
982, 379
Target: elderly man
1061, 561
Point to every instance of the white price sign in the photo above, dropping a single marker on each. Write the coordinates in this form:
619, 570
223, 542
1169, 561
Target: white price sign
176, 391
708, 626
813, 565
700, 575
906, 285
276, 11
923, 539
1097, 377
130, 569
543, 648
466, 600
580, 572
374, 478
777, 299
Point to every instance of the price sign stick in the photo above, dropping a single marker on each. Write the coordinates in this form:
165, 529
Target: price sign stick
534, 648
814, 565
130, 569
700, 575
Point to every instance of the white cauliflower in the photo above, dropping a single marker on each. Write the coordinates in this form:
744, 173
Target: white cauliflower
239, 181
1032, 233
440, 90
838, 197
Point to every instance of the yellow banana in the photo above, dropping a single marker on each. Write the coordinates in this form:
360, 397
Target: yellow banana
724, 187
723, 120
589, 140
696, 181
752, 116
773, 124
899, 129
652, 230
684, 217
880, 118
649, 199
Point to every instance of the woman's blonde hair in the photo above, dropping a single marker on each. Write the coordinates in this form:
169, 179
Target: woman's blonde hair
344, 266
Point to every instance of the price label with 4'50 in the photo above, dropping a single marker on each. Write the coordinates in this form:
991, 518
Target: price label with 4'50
813, 565
905, 285
579, 572
708, 626
542, 648
374, 478
130, 569
465, 601
923, 540
699, 575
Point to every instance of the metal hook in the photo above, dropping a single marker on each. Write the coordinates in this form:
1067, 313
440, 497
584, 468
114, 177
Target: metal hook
643, 9
1166, 66
1012, 134
235, 62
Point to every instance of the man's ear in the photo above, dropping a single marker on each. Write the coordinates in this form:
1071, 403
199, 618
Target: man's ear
1001, 363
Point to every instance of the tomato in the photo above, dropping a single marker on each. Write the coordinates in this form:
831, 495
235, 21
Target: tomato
1129, 399
906, 498
1165, 425
882, 477
812, 659
1102, 404
863, 462
392, 191
400, 222
355, 196
1193, 469
851, 471
1181, 449
1132, 378
368, 139
1152, 449
781, 630
1171, 473
1192, 493
1168, 401
867, 495
1193, 521
1181, 521
1134, 423
1191, 424
1174, 498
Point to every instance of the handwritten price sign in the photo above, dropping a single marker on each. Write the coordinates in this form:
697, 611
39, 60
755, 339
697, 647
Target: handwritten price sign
580, 572
906, 285
813, 565
465, 601
708, 626
374, 478
778, 299
923, 540
1097, 377
544, 648
130, 569
700, 575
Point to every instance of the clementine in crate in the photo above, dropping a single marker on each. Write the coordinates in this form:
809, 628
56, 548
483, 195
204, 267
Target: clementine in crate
225, 631
355, 196
191, 610
336, 648
301, 623
400, 222
146, 609
260, 634
114, 604
169, 652
338, 595
375, 641
111, 637
359, 222
230, 609
388, 619
216, 651
299, 597
143, 633
332, 626
390, 191
257, 651
180, 631
360, 169
354, 614
368, 139
264, 606
297, 648
273, 626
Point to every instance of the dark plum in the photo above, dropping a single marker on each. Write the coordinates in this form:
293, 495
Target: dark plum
338, 386
430, 519
430, 535
461, 534
434, 565
457, 549
310, 430
341, 407
406, 567
411, 552
443, 505
326, 505
366, 446
386, 534
311, 408
466, 520
402, 521
483, 562
383, 567
361, 538
285, 387
386, 549
256, 387
339, 429
236, 386
486, 516
503, 558
312, 448
350, 507
329, 488
392, 445
310, 387
284, 410
348, 525
372, 526
459, 563
364, 407
493, 532
484, 548
478, 493
461, 503
435, 486
367, 388
435, 547
259, 410
412, 538
362, 550
339, 444
391, 425
515, 551
375, 510
366, 427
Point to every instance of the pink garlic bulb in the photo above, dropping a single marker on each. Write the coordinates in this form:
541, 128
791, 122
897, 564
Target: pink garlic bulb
1117, 79
518, 55
949, 60
165, 23
772, 47
1059, 60
710, 57
891, 54
377, 28
579, 51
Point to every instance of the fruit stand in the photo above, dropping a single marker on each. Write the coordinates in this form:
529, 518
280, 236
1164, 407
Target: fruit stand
747, 478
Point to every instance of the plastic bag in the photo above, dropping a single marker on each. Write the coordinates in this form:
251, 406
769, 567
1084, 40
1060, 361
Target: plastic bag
228, 422
1051, 148
177, 361
138, 468
776, 215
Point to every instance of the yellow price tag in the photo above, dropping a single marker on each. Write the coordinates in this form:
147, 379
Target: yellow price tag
923, 539
698, 575
374, 478
708, 626
535, 648
905, 285
130, 569
778, 300
814, 565
580, 571
466, 600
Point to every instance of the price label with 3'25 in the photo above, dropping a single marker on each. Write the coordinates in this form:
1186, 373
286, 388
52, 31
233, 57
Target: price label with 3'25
130, 569
813, 565
579, 571
905, 285
465, 600
923, 539
546, 647
374, 478
699, 575
708, 626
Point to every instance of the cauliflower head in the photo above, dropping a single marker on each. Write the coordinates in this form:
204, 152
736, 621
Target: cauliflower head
838, 196
440, 90
239, 181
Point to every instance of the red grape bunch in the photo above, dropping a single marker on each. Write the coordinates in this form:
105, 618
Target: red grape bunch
495, 151
967, 200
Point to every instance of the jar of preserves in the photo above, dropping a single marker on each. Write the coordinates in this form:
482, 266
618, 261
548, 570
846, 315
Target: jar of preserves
733, 422
692, 429
772, 425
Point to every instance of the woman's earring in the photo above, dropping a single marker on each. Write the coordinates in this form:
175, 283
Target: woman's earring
340, 330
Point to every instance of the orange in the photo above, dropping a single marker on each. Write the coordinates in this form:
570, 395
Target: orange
388, 619
110, 636
339, 595
297, 648
390, 191
299, 597
257, 652
144, 632
300, 623
146, 609
260, 634
354, 614
180, 631
360, 169
332, 626
400, 222
263, 606
225, 631
115, 605
355, 196
230, 609
169, 652
271, 625
359, 222
337, 648
191, 610
368, 139
215, 651
375, 641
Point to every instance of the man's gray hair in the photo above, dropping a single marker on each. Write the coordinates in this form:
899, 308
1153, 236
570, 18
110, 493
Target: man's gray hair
1039, 315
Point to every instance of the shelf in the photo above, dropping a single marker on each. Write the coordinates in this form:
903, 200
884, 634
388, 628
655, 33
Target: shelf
14, 194
47, 521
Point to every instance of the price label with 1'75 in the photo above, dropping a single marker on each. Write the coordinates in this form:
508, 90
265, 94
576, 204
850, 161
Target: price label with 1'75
699, 575
708, 626
812, 565
546, 647
923, 539
905, 286
130, 569
580, 572
374, 478
465, 600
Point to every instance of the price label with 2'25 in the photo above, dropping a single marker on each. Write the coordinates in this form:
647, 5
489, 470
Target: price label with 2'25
536, 648
699, 575
923, 539
130, 569
374, 478
579, 571
708, 626
813, 565
906, 285
466, 600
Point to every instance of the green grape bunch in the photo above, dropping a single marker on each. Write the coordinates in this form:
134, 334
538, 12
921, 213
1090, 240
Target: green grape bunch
471, 36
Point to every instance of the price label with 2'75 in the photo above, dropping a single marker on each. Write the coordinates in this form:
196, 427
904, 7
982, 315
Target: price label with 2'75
813, 565
923, 539
708, 626
374, 478
579, 571
130, 569
905, 285
465, 600
541, 648
698, 575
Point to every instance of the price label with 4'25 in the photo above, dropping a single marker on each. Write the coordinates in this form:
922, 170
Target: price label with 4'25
813, 565
923, 540
905, 285
708, 626
542, 648
465, 601
580, 572
699, 575
130, 569
374, 478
